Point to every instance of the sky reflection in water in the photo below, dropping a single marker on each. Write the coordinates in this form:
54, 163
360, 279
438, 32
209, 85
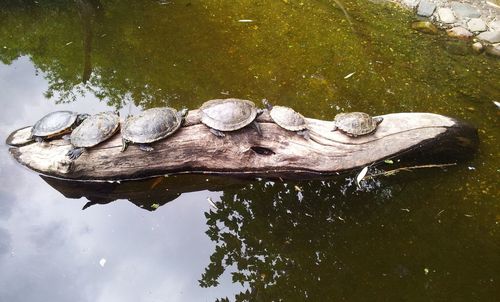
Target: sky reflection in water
50, 250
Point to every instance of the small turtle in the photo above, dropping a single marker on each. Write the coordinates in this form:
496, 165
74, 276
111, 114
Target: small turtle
150, 126
288, 119
229, 115
356, 123
92, 131
56, 124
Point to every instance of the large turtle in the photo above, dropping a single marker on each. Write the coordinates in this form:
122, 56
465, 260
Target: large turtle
150, 126
92, 131
288, 118
229, 115
56, 124
356, 123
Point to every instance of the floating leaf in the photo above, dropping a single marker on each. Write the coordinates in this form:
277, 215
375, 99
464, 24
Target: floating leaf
155, 206
388, 161
361, 175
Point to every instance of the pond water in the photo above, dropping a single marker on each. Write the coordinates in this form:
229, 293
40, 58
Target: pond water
428, 235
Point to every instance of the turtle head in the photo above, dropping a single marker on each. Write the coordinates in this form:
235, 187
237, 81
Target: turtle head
81, 117
266, 103
378, 119
183, 112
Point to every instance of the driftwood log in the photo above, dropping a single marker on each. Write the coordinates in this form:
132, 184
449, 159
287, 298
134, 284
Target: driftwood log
277, 153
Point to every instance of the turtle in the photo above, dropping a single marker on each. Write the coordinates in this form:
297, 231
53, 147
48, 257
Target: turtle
356, 123
150, 126
92, 131
287, 118
222, 115
56, 124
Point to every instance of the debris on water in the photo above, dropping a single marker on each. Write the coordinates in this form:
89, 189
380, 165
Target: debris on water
468, 215
297, 188
471, 168
245, 21
69, 43
155, 206
406, 210
439, 213
361, 175
224, 92
349, 75
212, 203
102, 262
426, 270
388, 161
497, 104
156, 182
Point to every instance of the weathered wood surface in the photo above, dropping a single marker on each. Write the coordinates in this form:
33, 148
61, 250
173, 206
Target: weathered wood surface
193, 149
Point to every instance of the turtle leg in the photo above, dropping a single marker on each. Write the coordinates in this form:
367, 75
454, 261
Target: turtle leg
217, 132
378, 119
304, 133
124, 145
74, 153
335, 128
67, 137
146, 147
38, 139
256, 126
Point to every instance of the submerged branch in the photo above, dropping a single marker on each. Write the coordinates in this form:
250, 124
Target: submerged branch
346, 14
408, 169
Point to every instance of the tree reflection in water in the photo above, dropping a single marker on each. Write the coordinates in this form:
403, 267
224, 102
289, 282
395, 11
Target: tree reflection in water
289, 241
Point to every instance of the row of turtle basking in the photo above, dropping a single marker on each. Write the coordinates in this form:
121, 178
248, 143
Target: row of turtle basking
220, 116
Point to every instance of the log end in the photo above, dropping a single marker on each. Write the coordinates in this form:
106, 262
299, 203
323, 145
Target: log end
20, 137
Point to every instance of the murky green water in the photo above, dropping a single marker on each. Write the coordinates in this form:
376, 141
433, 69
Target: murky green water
423, 236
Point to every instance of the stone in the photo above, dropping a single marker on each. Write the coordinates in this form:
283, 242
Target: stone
411, 3
478, 47
459, 32
445, 15
493, 50
464, 10
494, 25
476, 24
425, 27
426, 8
490, 36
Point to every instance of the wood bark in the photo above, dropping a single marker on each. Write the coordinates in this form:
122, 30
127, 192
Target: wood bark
278, 152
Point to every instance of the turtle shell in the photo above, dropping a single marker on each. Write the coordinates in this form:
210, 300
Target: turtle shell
228, 114
151, 125
355, 123
95, 129
54, 124
288, 118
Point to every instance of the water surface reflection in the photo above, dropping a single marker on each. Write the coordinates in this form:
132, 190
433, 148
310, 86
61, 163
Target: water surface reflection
430, 235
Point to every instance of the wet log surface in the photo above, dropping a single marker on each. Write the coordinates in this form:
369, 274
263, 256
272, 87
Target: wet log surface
277, 153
